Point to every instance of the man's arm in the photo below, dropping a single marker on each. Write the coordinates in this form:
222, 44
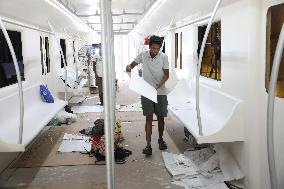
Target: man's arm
131, 66
164, 79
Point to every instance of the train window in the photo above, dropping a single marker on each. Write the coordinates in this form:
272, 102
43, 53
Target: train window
164, 47
44, 49
180, 52
47, 54
211, 62
275, 19
41, 56
63, 47
74, 51
7, 70
176, 49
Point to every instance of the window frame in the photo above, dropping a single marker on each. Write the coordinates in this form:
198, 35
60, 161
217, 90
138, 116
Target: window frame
273, 28
214, 44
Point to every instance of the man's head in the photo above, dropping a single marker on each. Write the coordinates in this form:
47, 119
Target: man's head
155, 45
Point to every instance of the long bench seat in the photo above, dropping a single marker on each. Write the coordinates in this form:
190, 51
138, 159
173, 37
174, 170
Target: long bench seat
37, 114
222, 115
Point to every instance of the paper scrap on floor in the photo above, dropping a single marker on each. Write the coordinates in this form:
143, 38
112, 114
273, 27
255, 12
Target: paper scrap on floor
74, 137
87, 109
206, 168
212, 186
91, 97
75, 143
140, 86
77, 99
179, 165
216, 181
199, 157
75, 146
136, 107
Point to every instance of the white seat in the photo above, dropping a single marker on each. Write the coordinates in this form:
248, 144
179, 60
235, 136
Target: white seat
37, 114
222, 116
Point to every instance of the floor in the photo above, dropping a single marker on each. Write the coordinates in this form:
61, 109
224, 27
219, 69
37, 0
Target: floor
48, 169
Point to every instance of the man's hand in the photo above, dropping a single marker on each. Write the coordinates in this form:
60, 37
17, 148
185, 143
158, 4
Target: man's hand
128, 68
164, 79
131, 66
157, 86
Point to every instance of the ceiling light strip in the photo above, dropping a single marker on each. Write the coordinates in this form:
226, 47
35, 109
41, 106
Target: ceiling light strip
17, 23
154, 8
68, 13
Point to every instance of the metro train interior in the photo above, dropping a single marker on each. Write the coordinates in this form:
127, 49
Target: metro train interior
76, 91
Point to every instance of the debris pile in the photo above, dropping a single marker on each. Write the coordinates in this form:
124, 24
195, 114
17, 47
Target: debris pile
207, 168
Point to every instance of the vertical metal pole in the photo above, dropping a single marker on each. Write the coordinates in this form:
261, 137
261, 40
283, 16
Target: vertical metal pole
77, 58
20, 88
107, 50
62, 56
199, 66
270, 109
113, 92
77, 54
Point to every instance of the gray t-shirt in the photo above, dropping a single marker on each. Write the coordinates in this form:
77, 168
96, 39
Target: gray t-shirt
153, 69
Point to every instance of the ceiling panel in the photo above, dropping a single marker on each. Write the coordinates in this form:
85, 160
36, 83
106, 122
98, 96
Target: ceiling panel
91, 7
179, 11
38, 13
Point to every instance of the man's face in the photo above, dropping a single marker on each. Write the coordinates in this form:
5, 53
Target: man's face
154, 49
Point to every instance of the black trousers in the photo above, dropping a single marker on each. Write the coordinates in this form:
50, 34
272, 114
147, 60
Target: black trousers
100, 87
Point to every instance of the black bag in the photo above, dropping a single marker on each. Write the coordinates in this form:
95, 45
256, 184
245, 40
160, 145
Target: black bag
98, 128
120, 153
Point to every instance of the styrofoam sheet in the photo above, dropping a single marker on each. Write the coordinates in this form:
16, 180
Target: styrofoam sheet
75, 146
140, 86
87, 109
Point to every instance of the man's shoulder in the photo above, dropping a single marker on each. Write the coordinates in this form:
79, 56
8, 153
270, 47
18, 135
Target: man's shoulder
144, 53
163, 55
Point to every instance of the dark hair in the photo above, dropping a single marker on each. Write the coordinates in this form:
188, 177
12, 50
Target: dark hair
155, 40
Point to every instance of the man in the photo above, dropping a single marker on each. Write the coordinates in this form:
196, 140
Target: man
98, 69
156, 72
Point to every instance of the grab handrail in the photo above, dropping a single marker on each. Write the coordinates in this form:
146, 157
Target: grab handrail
20, 87
199, 66
17, 23
63, 58
270, 109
